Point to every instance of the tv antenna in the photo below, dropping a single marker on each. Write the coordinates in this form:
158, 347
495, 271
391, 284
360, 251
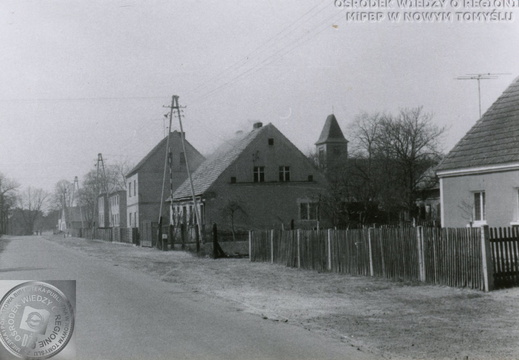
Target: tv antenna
479, 77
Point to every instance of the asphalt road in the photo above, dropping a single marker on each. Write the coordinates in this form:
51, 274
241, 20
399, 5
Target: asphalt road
124, 314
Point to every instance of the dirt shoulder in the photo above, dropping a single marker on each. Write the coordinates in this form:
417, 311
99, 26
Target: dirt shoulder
391, 319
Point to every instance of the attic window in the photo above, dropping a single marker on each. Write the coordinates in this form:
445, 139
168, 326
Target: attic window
233, 179
271, 141
310, 178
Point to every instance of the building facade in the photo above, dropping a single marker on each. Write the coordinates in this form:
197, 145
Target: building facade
479, 178
144, 181
257, 180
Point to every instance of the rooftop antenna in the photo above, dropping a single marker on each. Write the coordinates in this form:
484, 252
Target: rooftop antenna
479, 77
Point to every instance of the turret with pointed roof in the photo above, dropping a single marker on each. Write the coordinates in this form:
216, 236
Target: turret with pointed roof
332, 146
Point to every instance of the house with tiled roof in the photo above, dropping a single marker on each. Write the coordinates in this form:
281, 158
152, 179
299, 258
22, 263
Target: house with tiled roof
479, 178
144, 181
257, 180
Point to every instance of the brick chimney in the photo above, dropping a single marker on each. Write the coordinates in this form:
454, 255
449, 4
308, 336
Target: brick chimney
257, 125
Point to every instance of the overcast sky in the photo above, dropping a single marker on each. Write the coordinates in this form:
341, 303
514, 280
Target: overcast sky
78, 78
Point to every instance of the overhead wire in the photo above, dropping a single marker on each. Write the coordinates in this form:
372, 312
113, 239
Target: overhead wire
323, 25
278, 36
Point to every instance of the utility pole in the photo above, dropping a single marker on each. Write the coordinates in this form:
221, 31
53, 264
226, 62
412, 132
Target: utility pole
104, 187
175, 106
479, 77
76, 187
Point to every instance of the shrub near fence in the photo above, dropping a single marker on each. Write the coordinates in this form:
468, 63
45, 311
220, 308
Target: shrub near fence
451, 257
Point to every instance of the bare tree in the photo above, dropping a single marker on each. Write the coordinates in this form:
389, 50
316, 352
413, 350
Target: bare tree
7, 200
386, 170
32, 203
233, 210
410, 141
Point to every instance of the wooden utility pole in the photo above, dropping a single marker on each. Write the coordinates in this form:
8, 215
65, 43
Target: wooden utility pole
76, 186
175, 106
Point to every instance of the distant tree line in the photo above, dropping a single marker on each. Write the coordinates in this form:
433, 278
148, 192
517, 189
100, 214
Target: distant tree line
31, 210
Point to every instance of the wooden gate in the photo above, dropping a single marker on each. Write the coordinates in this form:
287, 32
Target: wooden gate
504, 246
148, 233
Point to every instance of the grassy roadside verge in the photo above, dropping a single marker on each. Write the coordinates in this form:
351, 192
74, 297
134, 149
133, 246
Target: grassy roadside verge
396, 320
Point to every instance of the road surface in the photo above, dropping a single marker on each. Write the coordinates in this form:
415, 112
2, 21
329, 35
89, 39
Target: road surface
124, 314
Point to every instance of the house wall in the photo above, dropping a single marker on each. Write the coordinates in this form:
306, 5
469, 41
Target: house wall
149, 178
501, 198
103, 220
132, 199
117, 203
263, 204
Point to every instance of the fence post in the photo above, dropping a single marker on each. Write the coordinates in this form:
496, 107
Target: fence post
298, 248
421, 257
272, 246
370, 251
382, 253
250, 245
329, 249
215, 241
486, 260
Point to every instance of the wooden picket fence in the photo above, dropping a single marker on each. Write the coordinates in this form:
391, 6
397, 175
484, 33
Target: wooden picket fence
504, 247
451, 257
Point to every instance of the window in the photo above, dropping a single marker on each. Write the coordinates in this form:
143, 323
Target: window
479, 206
130, 189
233, 179
284, 173
308, 211
310, 178
271, 141
259, 174
182, 159
134, 187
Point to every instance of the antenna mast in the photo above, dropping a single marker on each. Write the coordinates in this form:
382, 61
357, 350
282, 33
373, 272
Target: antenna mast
479, 77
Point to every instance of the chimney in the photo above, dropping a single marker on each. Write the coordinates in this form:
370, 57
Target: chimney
257, 125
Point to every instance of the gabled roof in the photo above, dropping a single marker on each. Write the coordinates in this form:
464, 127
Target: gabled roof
331, 131
209, 171
493, 140
156, 149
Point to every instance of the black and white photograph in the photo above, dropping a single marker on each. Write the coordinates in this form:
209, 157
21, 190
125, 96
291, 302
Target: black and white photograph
310, 179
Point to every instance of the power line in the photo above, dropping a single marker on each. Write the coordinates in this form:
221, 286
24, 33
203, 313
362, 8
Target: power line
284, 51
278, 36
109, 98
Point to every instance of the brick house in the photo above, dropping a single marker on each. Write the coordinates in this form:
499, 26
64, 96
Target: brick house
257, 180
479, 178
144, 181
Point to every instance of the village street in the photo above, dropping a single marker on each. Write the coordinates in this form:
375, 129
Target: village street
125, 314
135, 302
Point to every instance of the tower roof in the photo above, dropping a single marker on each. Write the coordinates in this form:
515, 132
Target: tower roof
331, 132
